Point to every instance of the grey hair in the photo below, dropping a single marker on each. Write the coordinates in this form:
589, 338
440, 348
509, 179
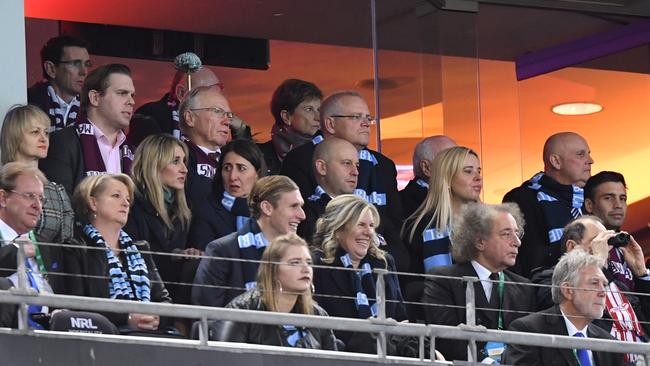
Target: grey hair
331, 105
475, 223
427, 149
190, 101
567, 270
575, 230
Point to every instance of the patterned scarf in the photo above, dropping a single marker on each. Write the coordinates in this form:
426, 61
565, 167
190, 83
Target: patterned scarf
319, 194
285, 139
205, 166
295, 336
436, 248
93, 161
237, 206
252, 244
626, 326
57, 112
619, 269
172, 104
132, 286
363, 283
560, 203
422, 183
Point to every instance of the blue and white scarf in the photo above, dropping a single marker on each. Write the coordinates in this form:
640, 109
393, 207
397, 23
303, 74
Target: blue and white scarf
436, 248
295, 335
132, 286
252, 244
238, 207
363, 283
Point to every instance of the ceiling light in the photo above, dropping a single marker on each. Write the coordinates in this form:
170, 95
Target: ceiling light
577, 109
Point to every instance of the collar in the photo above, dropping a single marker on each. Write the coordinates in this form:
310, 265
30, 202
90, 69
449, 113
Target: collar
482, 272
101, 136
571, 329
207, 151
7, 232
59, 100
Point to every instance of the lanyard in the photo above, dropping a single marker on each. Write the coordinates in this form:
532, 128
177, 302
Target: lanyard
501, 290
37, 255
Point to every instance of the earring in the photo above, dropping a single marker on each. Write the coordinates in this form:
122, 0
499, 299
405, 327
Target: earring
313, 289
279, 284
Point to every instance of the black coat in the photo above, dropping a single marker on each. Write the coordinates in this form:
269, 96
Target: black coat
210, 220
268, 334
313, 210
412, 197
52, 259
89, 270
550, 321
334, 283
161, 114
273, 163
64, 163
214, 272
145, 224
451, 292
297, 165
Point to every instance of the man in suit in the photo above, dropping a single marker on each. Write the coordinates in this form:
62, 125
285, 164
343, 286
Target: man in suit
345, 115
276, 209
550, 199
579, 288
416, 190
336, 168
96, 144
486, 242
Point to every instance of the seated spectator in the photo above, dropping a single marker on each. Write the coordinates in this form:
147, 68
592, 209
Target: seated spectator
416, 190
65, 62
284, 283
159, 214
108, 264
225, 210
336, 168
97, 143
579, 288
455, 181
346, 238
21, 204
485, 243
24, 138
295, 106
276, 209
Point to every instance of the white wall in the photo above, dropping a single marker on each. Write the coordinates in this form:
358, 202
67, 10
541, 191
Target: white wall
13, 88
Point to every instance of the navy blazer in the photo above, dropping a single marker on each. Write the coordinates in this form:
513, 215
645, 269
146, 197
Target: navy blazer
550, 321
451, 292
335, 282
210, 220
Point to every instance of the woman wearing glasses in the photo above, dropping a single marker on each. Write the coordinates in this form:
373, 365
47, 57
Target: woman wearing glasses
455, 181
226, 210
284, 284
25, 138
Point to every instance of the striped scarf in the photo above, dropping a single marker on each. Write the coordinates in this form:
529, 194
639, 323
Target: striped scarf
93, 161
60, 115
363, 283
132, 286
560, 203
252, 244
238, 207
172, 104
626, 326
436, 248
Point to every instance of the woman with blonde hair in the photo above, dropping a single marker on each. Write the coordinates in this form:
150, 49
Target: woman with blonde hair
345, 237
107, 262
24, 138
455, 181
160, 214
284, 284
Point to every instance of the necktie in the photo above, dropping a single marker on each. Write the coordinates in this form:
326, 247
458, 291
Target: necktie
493, 294
583, 355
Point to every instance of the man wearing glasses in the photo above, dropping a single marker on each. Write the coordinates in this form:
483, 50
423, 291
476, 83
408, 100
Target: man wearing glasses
205, 125
345, 115
66, 63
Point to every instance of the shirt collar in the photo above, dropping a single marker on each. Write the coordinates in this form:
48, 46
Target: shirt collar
208, 151
571, 329
7, 232
482, 272
100, 136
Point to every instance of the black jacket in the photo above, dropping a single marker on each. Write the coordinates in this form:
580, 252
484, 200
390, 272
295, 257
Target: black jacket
412, 197
333, 283
210, 220
273, 163
272, 335
450, 293
89, 270
64, 163
550, 321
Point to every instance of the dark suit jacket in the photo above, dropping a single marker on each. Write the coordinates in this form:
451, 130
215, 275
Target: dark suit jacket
550, 321
8, 312
214, 272
157, 110
273, 163
446, 291
64, 163
52, 259
210, 220
297, 166
313, 210
412, 197
336, 282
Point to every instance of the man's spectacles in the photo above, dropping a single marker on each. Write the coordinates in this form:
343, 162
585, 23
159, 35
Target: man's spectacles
220, 113
357, 117
510, 235
32, 197
78, 63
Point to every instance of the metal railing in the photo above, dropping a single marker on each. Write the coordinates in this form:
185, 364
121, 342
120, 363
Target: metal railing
24, 295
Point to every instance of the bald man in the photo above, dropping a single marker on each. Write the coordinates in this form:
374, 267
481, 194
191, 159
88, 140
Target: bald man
416, 190
550, 199
336, 170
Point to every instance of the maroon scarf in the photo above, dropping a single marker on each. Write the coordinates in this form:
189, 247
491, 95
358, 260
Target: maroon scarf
93, 162
205, 165
172, 104
56, 111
